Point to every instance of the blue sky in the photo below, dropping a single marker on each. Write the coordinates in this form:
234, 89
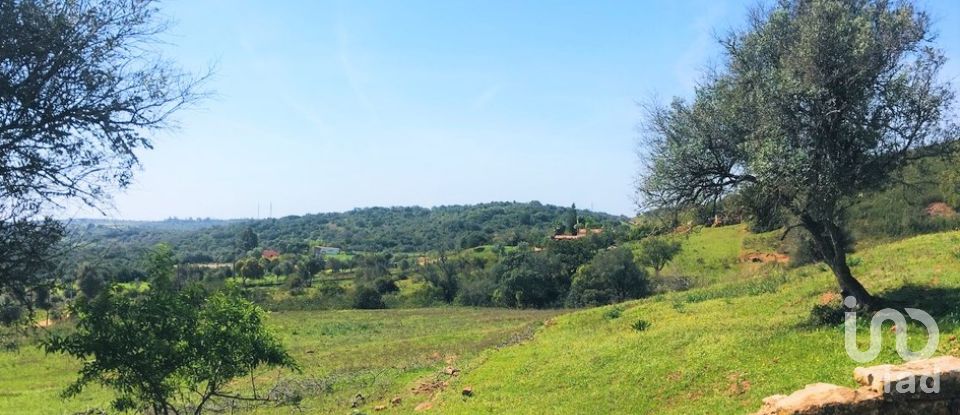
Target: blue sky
326, 106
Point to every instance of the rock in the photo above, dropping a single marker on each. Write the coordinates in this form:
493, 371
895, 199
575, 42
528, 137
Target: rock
930, 387
822, 398
452, 371
357, 401
467, 391
396, 401
912, 380
379, 407
423, 407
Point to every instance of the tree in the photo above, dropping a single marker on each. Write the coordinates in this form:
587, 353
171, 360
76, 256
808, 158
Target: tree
657, 252
817, 102
570, 220
367, 298
82, 86
251, 269
528, 279
444, 276
157, 349
90, 280
612, 276
248, 240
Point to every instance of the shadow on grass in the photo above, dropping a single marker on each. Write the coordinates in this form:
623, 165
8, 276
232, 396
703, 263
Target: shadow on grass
942, 303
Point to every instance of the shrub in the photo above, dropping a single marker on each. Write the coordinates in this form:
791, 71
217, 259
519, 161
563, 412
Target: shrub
297, 284
853, 261
826, 315
613, 313
669, 283
367, 298
640, 325
385, 285
477, 290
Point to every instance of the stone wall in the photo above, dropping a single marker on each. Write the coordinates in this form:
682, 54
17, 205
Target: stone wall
930, 386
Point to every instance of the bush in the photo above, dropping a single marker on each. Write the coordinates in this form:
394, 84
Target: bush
640, 325
673, 283
330, 288
367, 298
297, 284
826, 315
477, 290
385, 285
611, 276
613, 312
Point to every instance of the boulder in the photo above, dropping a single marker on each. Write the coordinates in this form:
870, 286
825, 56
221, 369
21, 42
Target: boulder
913, 380
822, 398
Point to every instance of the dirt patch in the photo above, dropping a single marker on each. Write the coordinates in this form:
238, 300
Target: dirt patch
940, 210
829, 298
738, 385
45, 323
764, 258
430, 387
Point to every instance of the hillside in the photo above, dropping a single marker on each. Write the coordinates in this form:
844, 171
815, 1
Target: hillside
378, 229
719, 349
747, 333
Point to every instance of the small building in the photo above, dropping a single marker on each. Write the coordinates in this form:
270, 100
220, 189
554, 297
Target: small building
325, 250
270, 254
581, 233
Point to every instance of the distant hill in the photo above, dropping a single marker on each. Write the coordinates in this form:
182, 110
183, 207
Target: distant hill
391, 229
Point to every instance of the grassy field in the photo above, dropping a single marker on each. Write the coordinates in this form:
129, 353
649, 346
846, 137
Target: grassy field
378, 354
719, 349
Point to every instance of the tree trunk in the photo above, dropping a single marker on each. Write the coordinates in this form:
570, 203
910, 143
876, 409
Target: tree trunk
830, 241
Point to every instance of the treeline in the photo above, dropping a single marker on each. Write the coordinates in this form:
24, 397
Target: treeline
394, 229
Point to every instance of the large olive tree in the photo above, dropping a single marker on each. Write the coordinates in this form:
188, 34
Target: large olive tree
816, 102
82, 86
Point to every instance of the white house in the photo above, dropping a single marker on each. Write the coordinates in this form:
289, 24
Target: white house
325, 250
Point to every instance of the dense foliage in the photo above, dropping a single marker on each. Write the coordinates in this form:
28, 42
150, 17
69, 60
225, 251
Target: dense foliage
152, 347
397, 229
611, 276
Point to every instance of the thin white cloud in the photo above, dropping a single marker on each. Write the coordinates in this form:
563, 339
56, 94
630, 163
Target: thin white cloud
486, 97
349, 70
690, 66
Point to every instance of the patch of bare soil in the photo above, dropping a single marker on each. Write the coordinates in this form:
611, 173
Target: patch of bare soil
940, 210
765, 257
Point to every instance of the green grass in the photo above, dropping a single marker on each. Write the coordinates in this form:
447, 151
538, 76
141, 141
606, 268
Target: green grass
716, 349
376, 353
720, 349
709, 255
